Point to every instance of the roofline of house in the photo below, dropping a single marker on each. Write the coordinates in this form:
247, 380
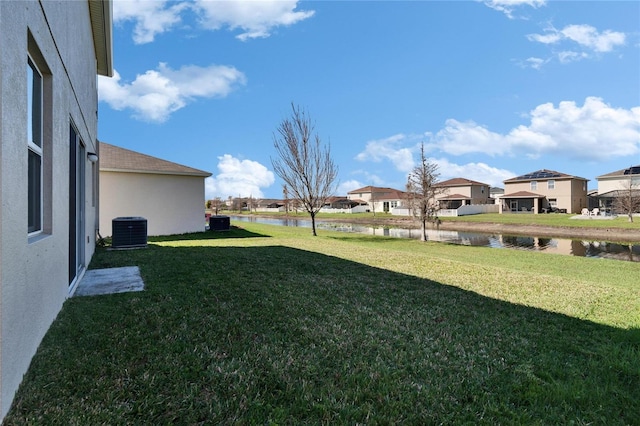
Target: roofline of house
618, 175
465, 182
567, 177
100, 12
155, 172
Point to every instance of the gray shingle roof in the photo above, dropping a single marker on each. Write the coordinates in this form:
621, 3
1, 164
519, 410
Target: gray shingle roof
543, 174
459, 182
624, 172
114, 158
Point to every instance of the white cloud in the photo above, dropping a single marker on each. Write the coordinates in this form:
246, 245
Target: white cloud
459, 138
151, 17
585, 36
480, 172
508, 6
256, 19
350, 185
535, 63
237, 177
568, 56
594, 131
389, 149
154, 95
588, 36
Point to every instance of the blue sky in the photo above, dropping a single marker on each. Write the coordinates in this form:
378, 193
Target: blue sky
494, 89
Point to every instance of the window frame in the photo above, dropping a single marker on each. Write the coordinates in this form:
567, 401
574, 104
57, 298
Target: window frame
551, 184
35, 149
534, 185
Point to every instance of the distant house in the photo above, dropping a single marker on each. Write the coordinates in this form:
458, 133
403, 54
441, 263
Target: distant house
169, 195
544, 190
269, 204
617, 184
338, 202
379, 199
457, 192
51, 54
496, 193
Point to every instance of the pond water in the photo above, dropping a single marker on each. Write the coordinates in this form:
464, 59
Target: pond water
583, 248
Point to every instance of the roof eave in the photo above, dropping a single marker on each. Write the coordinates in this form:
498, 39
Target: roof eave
155, 172
100, 12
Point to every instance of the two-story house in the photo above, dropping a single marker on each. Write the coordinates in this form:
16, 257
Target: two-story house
457, 192
543, 191
379, 199
50, 55
617, 184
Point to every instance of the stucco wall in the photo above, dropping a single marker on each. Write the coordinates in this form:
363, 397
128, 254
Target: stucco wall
474, 192
172, 204
480, 194
616, 184
34, 272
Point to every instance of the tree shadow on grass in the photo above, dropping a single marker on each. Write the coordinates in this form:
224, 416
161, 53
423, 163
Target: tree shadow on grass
274, 334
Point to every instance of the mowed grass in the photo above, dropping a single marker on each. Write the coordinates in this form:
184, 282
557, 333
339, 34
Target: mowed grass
269, 325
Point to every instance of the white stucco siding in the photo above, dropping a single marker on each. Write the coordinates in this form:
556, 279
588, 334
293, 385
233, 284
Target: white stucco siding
172, 204
570, 194
34, 271
619, 183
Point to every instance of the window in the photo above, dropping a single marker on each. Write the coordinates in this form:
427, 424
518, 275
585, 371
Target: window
394, 204
34, 147
551, 184
534, 185
553, 202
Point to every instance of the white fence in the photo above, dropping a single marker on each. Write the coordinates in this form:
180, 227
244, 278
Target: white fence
356, 209
469, 210
460, 211
401, 211
269, 209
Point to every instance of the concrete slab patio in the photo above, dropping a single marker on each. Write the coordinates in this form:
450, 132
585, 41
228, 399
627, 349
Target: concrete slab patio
111, 280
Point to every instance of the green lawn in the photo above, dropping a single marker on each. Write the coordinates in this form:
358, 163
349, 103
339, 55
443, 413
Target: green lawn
268, 325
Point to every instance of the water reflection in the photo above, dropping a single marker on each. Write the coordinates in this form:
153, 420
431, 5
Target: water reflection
596, 249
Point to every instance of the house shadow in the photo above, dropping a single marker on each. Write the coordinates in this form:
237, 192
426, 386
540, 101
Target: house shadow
233, 232
273, 332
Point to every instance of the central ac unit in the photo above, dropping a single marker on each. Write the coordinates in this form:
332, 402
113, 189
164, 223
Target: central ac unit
129, 232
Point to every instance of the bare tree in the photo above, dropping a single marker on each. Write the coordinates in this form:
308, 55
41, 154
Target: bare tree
285, 194
627, 200
303, 163
422, 191
217, 204
373, 202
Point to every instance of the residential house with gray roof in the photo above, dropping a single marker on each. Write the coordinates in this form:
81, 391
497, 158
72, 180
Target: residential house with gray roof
617, 184
168, 195
544, 191
456, 192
